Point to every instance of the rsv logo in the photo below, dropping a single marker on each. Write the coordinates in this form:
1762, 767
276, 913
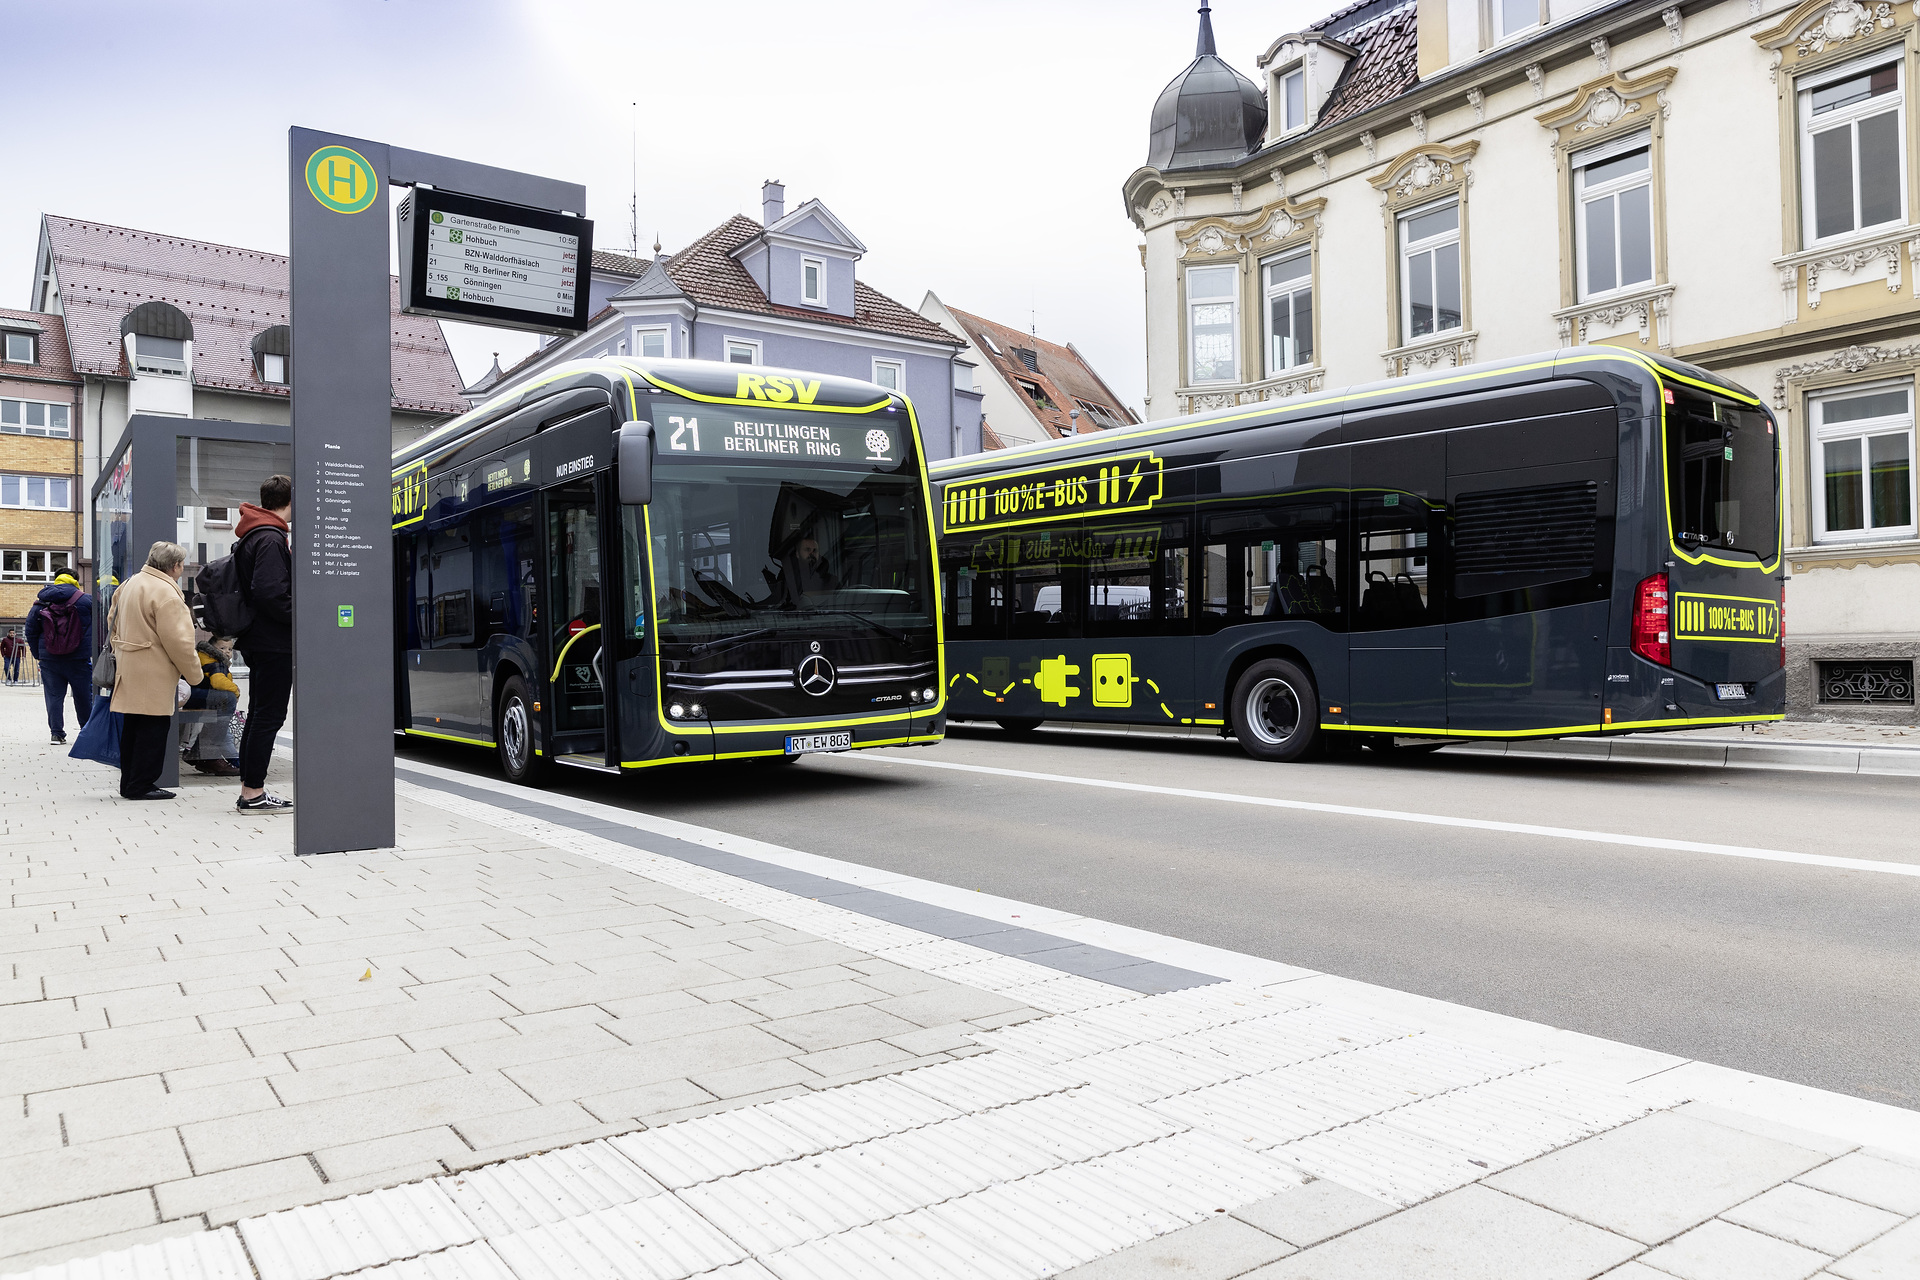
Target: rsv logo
757, 386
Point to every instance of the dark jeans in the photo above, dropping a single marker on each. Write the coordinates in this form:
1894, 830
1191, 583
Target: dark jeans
143, 751
269, 686
13, 667
58, 677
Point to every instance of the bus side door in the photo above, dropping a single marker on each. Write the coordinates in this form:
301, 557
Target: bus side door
1398, 650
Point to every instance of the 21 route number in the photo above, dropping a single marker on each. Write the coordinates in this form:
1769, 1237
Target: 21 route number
682, 429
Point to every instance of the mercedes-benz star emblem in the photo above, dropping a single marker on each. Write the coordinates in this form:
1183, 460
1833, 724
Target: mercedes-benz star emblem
815, 675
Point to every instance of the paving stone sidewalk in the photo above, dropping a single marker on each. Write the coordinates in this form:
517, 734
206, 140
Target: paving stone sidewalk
198, 1030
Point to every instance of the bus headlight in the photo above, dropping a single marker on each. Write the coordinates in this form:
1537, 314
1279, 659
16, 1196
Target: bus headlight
697, 711
926, 695
678, 711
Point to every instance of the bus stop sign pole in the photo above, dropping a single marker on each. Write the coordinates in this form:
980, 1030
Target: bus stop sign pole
341, 387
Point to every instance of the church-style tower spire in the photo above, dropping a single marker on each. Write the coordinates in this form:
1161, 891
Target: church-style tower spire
1205, 44
1210, 115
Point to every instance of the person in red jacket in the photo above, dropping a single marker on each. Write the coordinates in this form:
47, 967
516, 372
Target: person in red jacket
12, 650
265, 563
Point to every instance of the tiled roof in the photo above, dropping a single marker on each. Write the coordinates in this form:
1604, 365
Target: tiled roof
619, 263
707, 273
989, 438
1388, 65
1059, 371
229, 294
52, 359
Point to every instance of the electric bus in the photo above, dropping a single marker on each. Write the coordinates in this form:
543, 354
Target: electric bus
1585, 542
633, 563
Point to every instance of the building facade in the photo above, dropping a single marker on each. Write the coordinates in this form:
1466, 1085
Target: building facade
1419, 184
40, 461
1031, 389
159, 324
782, 291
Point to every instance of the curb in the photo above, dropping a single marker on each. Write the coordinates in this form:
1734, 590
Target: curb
1821, 757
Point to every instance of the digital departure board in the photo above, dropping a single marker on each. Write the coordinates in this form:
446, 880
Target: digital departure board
728, 433
489, 262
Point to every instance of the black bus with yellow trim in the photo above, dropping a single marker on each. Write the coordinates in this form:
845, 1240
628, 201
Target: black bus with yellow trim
1582, 542
632, 563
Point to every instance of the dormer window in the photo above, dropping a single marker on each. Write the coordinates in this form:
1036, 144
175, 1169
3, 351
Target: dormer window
813, 285
166, 356
20, 348
272, 355
1293, 99
273, 369
1511, 17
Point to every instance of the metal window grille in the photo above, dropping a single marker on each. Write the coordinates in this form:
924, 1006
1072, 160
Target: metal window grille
1876, 682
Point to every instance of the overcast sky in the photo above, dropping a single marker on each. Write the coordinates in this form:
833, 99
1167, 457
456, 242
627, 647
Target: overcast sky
976, 146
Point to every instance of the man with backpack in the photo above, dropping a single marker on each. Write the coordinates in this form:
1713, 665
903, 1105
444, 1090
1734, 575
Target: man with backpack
263, 569
60, 637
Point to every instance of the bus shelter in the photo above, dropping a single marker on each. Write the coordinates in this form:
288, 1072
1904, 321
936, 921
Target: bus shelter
179, 480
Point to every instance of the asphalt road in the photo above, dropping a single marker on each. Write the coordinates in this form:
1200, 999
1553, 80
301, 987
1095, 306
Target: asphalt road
1807, 973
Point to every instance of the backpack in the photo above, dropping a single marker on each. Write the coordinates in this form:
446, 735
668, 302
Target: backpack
60, 625
224, 608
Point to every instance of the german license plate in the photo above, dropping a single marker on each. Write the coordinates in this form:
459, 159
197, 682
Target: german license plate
799, 744
1730, 692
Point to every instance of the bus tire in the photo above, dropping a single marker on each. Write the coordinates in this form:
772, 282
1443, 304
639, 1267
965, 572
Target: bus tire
513, 735
1276, 711
1018, 727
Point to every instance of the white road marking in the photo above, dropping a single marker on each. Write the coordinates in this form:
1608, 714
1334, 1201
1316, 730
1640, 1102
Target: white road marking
1429, 819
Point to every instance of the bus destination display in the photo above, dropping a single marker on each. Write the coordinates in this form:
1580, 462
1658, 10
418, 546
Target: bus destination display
759, 435
1128, 482
495, 263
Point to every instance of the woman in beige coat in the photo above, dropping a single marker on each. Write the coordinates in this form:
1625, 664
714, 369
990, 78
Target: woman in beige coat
151, 630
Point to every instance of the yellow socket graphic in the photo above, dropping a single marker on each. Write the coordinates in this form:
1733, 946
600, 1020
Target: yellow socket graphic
1113, 679
1050, 682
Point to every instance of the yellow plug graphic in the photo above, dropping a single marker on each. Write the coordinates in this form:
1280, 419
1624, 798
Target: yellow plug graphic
1113, 679
1051, 680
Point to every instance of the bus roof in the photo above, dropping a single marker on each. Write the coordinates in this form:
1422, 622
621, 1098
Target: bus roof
1571, 362
704, 380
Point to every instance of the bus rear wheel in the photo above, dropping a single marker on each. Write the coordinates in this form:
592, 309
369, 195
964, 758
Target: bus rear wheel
513, 735
1276, 712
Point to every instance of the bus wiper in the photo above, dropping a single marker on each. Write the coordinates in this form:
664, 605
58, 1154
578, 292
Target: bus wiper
875, 623
727, 642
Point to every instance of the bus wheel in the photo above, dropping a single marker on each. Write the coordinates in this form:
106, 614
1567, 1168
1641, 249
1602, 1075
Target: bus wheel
1275, 711
1018, 727
513, 735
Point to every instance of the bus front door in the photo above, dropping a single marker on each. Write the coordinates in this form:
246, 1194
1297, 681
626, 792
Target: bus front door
572, 627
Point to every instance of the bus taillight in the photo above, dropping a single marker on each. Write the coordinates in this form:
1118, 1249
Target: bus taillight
1650, 613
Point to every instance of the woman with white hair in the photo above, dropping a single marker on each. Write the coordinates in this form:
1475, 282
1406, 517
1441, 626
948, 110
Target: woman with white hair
151, 629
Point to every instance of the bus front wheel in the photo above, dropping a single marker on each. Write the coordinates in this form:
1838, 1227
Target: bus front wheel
1276, 713
513, 735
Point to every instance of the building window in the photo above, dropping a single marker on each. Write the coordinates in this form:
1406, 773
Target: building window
166, 356
219, 516
19, 348
34, 418
1853, 150
1511, 17
1863, 445
650, 344
34, 566
1213, 324
1288, 286
1293, 100
1881, 682
1613, 194
742, 351
813, 285
273, 368
891, 374
35, 493
1430, 270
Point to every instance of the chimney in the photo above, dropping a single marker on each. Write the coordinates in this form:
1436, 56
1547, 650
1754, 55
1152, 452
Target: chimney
773, 201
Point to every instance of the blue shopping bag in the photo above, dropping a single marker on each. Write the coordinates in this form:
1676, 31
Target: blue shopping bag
99, 737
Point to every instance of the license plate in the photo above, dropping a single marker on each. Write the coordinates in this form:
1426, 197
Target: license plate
1730, 692
799, 744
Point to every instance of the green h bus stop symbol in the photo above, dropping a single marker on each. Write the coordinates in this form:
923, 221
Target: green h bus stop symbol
346, 615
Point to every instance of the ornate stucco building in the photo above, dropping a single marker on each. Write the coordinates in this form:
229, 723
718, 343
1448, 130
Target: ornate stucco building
1418, 184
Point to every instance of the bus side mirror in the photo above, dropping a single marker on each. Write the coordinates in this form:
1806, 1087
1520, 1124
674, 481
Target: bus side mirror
635, 460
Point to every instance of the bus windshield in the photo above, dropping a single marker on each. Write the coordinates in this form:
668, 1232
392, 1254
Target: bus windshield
741, 549
1722, 473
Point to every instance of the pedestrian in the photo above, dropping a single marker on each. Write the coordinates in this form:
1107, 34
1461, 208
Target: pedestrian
12, 649
60, 637
264, 563
151, 630
209, 747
